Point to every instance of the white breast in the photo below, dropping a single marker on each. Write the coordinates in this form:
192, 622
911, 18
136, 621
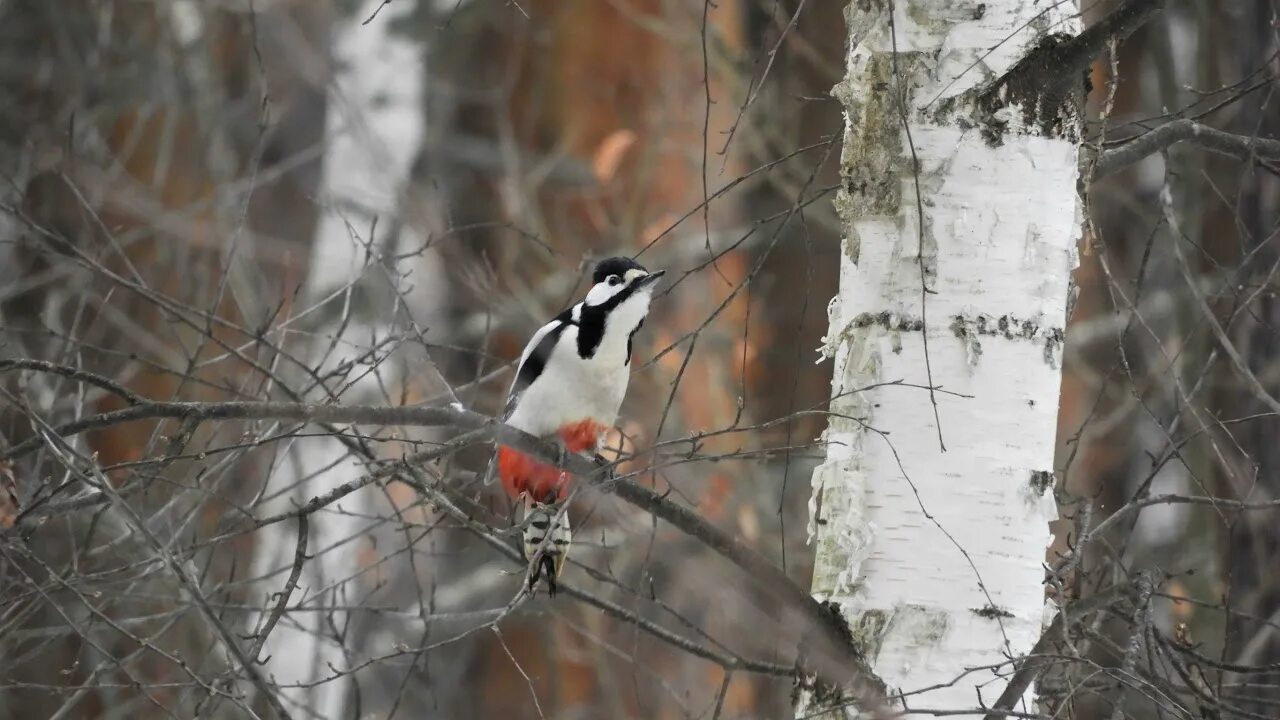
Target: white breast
572, 388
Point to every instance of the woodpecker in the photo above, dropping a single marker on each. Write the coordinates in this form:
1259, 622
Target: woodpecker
570, 383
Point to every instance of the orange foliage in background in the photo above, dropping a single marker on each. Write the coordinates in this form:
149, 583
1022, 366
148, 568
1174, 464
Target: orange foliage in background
618, 87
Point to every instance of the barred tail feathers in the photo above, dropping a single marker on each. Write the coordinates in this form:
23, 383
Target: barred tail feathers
546, 541
543, 487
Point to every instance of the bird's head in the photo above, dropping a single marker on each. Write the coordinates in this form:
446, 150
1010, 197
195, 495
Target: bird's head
621, 281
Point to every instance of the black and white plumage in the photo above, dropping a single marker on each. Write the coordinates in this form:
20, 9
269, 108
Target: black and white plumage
577, 366
572, 378
546, 539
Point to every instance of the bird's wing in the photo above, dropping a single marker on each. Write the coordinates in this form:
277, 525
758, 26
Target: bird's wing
535, 355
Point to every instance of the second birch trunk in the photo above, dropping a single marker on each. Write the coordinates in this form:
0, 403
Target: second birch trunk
960, 212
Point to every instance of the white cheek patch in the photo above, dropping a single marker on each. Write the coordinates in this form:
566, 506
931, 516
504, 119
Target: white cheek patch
601, 292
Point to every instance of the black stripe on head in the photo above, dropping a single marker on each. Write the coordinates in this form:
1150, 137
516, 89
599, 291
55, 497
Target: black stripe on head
613, 266
591, 324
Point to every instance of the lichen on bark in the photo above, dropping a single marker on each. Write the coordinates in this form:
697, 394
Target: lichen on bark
1031, 97
872, 155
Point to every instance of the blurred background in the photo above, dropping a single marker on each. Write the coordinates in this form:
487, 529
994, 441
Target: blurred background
379, 202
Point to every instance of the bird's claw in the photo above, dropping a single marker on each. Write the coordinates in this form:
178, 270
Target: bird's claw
604, 465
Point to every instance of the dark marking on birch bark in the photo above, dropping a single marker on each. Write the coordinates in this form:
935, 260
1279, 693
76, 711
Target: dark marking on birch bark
888, 321
1041, 481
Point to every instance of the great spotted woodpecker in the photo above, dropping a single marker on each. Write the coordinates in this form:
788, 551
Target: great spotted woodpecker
571, 380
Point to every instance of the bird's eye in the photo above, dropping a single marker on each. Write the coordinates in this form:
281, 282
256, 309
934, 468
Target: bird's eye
613, 279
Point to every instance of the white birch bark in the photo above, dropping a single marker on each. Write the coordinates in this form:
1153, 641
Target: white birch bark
374, 129
936, 558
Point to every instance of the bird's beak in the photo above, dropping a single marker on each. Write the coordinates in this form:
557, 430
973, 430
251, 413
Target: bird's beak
650, 278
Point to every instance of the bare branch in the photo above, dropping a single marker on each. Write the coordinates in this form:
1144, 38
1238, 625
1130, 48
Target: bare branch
841, 663
1136, 149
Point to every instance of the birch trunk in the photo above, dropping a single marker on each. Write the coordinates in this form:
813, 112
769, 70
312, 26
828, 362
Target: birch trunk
935, 557
374, 130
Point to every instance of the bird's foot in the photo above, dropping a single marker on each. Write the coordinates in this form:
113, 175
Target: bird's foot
608, 470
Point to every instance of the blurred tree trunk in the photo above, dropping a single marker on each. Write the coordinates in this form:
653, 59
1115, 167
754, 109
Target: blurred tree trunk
127, 155
375, 78
1248, 582
960, 217
581, 124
